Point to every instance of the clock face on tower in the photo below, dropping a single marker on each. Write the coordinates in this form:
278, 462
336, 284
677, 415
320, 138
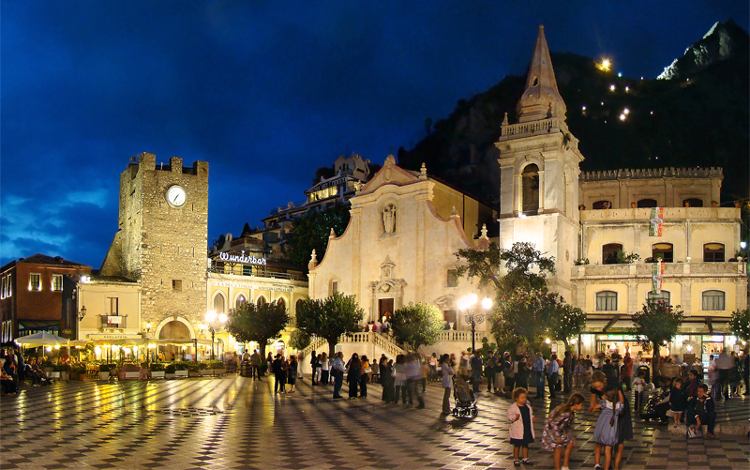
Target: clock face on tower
176, 196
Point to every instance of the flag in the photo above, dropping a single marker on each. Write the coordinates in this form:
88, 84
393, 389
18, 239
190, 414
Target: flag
656, 276
656, 222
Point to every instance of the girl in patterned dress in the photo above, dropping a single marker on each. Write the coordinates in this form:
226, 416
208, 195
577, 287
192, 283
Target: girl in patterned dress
558, 431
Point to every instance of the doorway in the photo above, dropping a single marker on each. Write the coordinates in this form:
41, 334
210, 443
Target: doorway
385, 309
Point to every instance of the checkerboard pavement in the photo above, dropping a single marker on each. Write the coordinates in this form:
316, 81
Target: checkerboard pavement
235, 422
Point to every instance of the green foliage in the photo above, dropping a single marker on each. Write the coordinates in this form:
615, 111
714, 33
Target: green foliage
521, 318
739, 324
417, 324
311, 232
251, 322
520, 267
299, 339
655, 324
629, 258
156, 366
564, 320
329, 318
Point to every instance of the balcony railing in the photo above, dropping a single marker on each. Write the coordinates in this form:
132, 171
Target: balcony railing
646, 269
671, 214
113, 321
240, 270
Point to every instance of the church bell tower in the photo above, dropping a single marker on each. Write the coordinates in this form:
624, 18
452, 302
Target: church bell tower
539, 167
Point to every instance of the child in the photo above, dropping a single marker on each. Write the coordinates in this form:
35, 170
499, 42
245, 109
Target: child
639, 390
677, 401
558, 431
521, 419
605, 432
702, 412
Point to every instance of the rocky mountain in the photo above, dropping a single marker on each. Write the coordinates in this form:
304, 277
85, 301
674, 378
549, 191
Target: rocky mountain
697, 117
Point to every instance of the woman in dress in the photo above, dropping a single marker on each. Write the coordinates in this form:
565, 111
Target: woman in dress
558, 431
292, 372
354, 375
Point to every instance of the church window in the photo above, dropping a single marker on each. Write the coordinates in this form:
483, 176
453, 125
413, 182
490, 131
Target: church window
177, 284
603, 205
611, 253
240, 300
663, 251
333, 287
606, 301
452, 278
219, 303
646, 203
713, 300
281, 302
692, 202
261, 301
713, 253
530, 189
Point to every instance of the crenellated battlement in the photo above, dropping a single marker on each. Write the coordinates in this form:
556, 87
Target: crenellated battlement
147, 162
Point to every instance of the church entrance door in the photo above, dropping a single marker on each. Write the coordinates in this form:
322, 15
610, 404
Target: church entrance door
385, 308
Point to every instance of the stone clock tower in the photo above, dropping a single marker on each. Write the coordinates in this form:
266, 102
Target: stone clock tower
539, 169
162, 240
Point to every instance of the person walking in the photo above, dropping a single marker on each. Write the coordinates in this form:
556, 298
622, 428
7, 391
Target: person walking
746, 371
255, 365
537, 369
354, 372
553, 374
400, 379
313, 367
490, 369
386, 379
446, 374
325, 368
567, 372
276, 368
365, 372
292, 372
338, 368
724, 363
476, 371
413, 377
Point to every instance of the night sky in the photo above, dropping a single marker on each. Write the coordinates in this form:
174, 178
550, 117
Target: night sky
266, 91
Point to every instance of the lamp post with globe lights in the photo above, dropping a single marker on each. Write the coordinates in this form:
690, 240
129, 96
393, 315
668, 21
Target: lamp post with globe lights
215, 321
473, 315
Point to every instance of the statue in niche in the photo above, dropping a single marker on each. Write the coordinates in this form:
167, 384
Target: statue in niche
389, 218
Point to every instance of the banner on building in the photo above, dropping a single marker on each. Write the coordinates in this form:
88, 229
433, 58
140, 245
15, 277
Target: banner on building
657, 221
656, 277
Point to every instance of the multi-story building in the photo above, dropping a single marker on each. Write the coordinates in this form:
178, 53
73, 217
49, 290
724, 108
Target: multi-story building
349, 173
620, 238
32, 296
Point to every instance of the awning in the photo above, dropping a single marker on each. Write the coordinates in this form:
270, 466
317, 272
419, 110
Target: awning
614, 324
42, 339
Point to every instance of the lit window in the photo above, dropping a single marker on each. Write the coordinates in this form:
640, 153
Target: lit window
35, 282
114, 305
713, 253
219, 304
606, 301
240, 300
663, 297
713, 300
57, 282
663, 251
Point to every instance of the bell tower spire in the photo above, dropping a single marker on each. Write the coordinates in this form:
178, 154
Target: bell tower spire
540, 99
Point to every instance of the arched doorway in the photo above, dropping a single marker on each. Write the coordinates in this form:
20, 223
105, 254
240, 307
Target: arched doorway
177, 331
530, 189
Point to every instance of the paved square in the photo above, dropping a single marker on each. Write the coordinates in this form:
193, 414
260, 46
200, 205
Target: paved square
237, 423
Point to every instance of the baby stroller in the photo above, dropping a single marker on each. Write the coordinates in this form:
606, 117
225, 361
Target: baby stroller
654, 409
466, 404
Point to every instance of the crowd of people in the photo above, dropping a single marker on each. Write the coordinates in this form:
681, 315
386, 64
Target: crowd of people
15, 370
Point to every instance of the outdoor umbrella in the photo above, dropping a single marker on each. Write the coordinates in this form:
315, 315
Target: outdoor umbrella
42, 339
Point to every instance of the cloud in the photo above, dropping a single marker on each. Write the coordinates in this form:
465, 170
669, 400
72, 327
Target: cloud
55, 225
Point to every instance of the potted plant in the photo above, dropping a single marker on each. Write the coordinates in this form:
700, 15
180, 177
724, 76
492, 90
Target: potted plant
194, 369
55, 372
214, 368
169, 371
181, 369
78, 371
157, 370
105, 370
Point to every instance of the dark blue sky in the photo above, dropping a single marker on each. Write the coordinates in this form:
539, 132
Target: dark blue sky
266, 91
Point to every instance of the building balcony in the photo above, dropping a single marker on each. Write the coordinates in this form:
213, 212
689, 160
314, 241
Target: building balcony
671, 214
251, 271
645, 270
113, 321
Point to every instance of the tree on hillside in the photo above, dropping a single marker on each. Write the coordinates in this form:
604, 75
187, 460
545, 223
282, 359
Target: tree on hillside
417, 324
655, 325
329, 318
311, 232
739, 324
564, 321
251, 322
520, 267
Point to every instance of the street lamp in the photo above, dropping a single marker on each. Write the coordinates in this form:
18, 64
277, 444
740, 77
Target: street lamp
472, 315
214, 322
